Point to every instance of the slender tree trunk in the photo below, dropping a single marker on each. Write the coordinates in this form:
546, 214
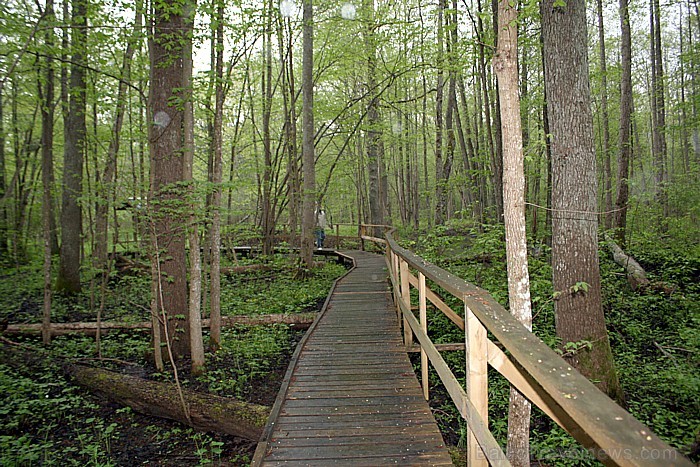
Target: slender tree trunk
46, 93
267, 210
659, 149
3, 184
374, 157
308, 156
576, 271
623, 161
215, 233
195, 286
506, 67
607, 170
68, 280
109, 174
439, 182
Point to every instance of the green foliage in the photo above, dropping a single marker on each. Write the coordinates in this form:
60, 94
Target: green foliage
260, 292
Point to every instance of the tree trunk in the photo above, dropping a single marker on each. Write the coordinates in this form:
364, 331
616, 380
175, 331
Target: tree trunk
374, 159
607, 170
506, 67
268, 228
205, 412
623, 161
578, 307
658, 112
47, 126
68, 280
215, 231
168, 220
307, 148
108, 175
195, 286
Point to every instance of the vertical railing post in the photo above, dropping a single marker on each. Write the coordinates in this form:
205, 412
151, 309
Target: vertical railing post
397, 293
406, 297
337, 236
361, 232
423, 311
477, 380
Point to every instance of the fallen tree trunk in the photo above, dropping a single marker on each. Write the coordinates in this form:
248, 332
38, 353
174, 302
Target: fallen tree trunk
636, 276
297, 321
206, 412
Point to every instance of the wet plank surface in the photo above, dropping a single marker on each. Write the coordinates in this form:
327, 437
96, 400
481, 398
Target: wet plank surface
350, 396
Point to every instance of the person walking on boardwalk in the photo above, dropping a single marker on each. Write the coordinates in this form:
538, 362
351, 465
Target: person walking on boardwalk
322, 223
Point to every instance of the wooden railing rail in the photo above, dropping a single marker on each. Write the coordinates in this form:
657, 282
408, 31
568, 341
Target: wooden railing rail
605, 429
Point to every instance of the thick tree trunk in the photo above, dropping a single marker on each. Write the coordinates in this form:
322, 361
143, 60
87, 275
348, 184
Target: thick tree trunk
506, 67
205, 412
578, 307
68, 280
166, 137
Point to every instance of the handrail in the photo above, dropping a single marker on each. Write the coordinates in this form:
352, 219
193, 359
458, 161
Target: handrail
609, 432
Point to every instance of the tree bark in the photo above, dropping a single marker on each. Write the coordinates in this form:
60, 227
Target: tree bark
506, 67
168, 234
623, 161
307, 145
195, 286
578, 308
374, 133
607, 170
47, 127
68, 280
205, 412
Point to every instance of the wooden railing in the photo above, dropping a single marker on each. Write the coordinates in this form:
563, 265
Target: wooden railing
601, 426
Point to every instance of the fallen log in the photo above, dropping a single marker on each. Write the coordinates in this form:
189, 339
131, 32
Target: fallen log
207, 412
636, 276
296, 320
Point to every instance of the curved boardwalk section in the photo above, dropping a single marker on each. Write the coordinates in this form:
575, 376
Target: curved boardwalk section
350, 396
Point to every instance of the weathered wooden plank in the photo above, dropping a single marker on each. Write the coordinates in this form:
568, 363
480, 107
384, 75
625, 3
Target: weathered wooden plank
323, 440
422, 460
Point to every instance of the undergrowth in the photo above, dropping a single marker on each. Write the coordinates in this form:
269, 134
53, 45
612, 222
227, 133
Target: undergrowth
46, 420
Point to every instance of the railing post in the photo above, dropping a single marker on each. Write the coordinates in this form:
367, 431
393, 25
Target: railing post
406, 297
361, 231
477, 380
423, 311
397, 295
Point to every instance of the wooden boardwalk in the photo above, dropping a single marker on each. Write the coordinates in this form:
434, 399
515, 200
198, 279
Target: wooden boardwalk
350, 396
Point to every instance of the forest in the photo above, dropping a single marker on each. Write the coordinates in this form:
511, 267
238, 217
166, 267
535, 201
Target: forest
547, 152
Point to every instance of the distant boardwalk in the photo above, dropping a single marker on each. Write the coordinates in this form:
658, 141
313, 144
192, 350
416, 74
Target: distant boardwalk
350, 396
